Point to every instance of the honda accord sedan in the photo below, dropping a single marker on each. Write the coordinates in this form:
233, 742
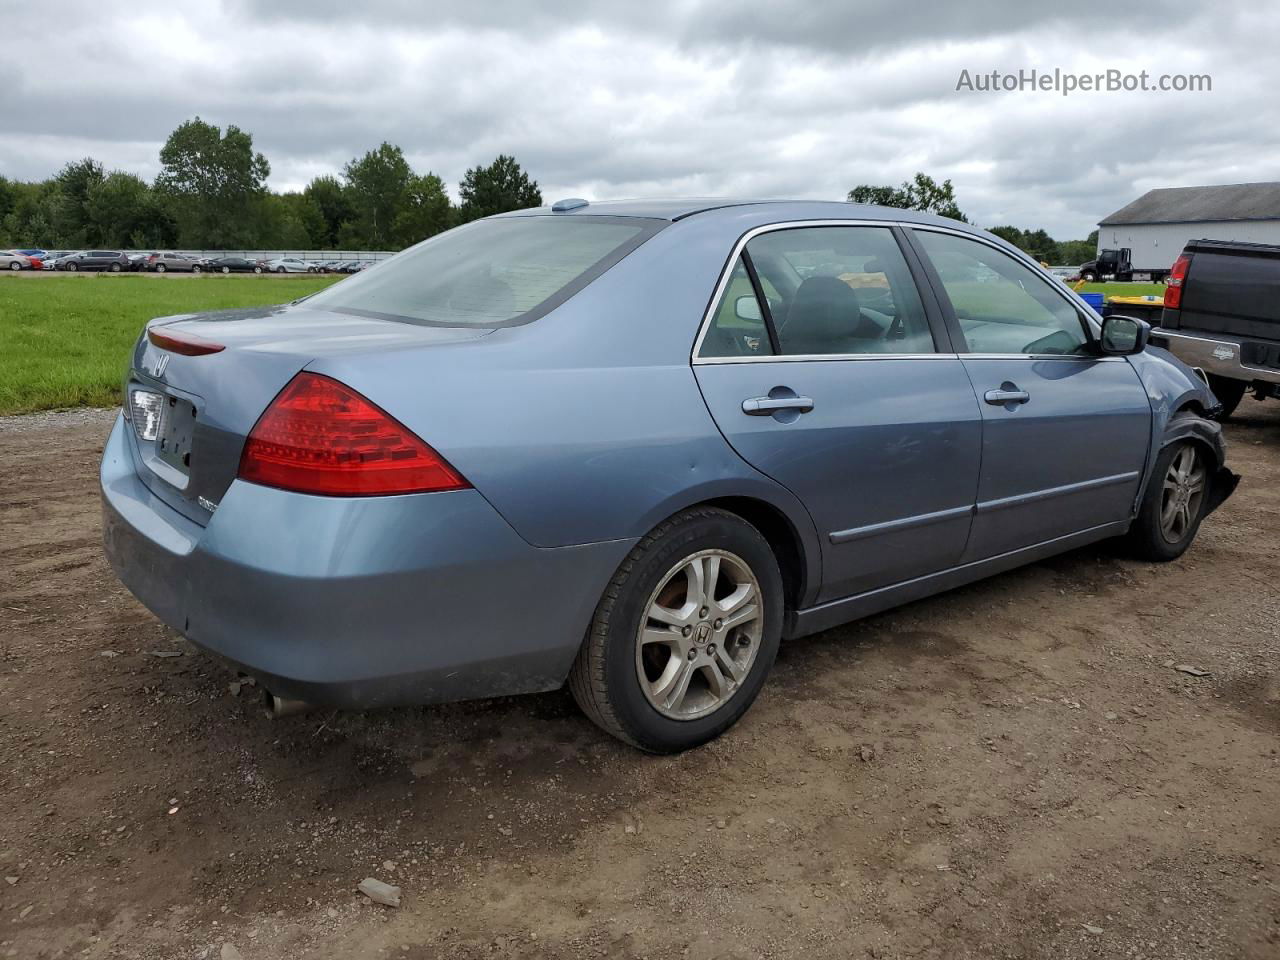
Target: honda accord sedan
631, 447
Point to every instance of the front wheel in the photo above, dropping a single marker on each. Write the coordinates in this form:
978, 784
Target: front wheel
226, 269
14, 265
1173, 504
685, 634
1088, 277
280, 270
1229, 393
72, 267
257, 269
161, 268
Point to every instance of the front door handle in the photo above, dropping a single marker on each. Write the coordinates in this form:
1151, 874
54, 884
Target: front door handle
767, 406
1006, 396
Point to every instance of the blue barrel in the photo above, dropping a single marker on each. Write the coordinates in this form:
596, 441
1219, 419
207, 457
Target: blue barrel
1094, 300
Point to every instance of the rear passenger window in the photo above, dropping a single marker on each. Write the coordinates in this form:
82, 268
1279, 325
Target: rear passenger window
831, 291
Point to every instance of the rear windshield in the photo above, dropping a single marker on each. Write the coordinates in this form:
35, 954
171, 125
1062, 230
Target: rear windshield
491, 273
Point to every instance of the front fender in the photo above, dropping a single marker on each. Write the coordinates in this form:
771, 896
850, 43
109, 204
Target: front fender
1180, 405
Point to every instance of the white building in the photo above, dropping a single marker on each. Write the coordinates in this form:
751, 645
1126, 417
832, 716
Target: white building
1157, 225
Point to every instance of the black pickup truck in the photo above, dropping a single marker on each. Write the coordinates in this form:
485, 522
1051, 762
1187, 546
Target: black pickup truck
1222, 314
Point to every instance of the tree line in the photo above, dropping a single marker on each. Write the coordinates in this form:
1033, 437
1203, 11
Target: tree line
211, 193
925, 194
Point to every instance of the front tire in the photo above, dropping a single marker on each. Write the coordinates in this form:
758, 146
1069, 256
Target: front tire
280, 270
685, 635
72, 267
1173, 504
15, 265
257, 269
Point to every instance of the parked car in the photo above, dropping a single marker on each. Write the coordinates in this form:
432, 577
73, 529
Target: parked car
54, 258
1222, 314
36, 255
234, 265
289, 265
12, 260
180, 262
543, 407
112, 260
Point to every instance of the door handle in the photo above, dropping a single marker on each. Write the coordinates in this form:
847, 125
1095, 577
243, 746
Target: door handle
767, 406
1006, 396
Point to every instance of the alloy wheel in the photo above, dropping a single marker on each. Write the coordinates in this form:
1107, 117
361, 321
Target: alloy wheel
1182, 493
700, 634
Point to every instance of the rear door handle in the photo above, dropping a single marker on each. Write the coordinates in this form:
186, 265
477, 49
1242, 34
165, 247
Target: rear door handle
767, 406
1002, 396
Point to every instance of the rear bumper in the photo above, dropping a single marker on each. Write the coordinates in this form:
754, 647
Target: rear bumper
1216, 353
357, 602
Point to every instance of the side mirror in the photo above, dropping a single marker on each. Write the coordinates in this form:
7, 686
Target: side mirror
1122, 336
748, 308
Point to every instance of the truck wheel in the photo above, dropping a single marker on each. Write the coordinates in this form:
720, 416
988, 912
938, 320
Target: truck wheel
684, 635
1088, 276
1229, 393
1173, 504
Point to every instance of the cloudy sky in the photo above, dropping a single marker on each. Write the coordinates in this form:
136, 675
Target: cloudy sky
658, 98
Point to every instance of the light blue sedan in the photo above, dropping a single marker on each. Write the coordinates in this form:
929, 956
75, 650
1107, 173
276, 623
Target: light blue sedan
632, 446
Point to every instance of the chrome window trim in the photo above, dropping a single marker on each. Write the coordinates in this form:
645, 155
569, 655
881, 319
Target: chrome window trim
1059, 289
1041, 356
727, 271
792, 357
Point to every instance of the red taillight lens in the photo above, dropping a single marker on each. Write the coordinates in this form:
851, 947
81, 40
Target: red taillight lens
187, 344
1173, 295
319, 436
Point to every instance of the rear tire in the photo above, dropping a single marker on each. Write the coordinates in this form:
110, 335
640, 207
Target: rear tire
115, 268
666, 676
1173, 504
280, 270
1229, 393
161, 268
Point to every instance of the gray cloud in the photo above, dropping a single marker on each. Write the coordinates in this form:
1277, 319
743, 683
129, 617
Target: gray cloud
667, 97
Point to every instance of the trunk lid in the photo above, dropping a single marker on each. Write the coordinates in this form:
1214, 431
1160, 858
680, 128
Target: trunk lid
206, 405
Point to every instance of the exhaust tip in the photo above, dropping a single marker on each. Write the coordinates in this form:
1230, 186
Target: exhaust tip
277, 706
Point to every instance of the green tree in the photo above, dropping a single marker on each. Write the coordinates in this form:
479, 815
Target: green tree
426, 210
70, 216
497, 188
329, 197
921, 193
216, 183
376, 185
124, 212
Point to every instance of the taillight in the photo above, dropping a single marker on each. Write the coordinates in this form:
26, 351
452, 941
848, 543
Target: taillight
187, 344
320, 436
1173, 295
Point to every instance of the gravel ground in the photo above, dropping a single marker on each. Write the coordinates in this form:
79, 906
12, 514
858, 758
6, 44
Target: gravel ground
1014, 769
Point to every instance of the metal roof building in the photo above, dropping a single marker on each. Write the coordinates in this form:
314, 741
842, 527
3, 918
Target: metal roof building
1158, 224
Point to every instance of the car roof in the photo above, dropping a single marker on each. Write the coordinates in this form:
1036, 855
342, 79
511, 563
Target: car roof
772, 210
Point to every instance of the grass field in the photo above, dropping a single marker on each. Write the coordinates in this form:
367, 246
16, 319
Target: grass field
1123, 289
65, 341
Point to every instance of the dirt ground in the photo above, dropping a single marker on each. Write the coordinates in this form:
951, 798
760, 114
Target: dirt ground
1013, 769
